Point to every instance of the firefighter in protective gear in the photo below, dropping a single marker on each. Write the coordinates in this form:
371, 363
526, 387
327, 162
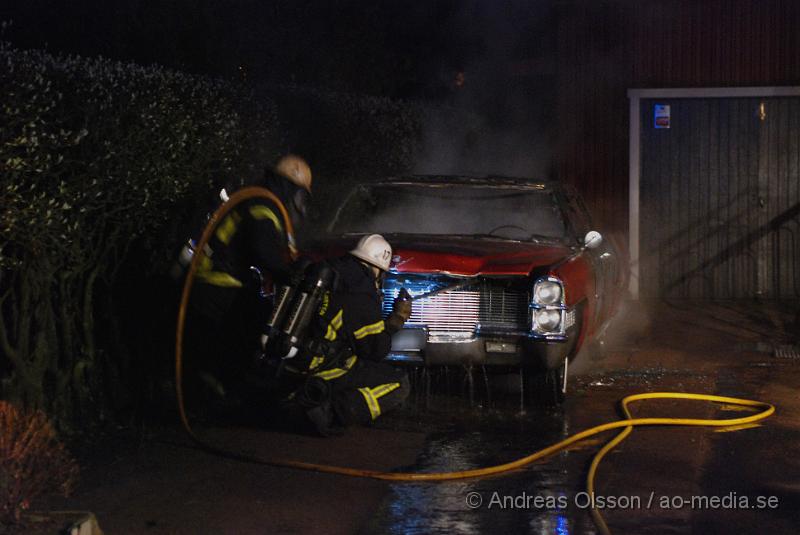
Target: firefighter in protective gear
254, 234
250, 249
354, 386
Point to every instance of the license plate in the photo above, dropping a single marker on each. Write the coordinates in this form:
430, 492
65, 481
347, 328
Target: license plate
409, 340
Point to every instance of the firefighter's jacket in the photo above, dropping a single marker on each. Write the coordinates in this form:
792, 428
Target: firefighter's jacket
350, 317
252, 234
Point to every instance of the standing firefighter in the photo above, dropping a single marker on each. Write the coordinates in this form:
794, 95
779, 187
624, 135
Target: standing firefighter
344, 380
250, 250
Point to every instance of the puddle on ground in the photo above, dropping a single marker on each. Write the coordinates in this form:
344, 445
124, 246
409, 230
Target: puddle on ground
539, 498
471, 424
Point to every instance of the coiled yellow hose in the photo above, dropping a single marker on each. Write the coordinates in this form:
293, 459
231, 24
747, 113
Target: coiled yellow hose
627, 424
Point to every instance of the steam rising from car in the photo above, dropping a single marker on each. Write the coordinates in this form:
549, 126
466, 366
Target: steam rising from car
629, 326
453, 210
500, 116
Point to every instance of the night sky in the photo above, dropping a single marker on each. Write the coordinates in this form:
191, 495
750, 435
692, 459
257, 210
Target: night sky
397, 49
491, 58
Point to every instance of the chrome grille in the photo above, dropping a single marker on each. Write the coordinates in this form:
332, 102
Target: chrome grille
503, 309
461, 312
448, 312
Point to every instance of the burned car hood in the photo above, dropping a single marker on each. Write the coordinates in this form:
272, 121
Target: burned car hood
464, 256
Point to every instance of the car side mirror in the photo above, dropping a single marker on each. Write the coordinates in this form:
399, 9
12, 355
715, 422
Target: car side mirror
592, 239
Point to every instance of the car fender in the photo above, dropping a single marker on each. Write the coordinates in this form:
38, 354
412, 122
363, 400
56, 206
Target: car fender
579, 287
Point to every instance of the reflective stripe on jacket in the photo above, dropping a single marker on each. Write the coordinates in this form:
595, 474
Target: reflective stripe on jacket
252, 234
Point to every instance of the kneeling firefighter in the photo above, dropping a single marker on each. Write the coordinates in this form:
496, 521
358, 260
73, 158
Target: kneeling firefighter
340, 372
251, 248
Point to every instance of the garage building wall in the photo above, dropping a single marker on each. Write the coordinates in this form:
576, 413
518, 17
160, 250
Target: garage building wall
719, 194
608, 46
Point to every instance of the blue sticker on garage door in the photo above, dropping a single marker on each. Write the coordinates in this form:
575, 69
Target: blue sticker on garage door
661, 116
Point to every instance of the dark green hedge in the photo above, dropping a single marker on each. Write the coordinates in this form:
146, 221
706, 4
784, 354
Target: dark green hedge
95, 155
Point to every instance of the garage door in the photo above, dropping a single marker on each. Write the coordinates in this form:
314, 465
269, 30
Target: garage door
719, 198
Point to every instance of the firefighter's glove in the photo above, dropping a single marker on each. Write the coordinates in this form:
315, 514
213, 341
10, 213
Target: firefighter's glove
401, 312
402, 308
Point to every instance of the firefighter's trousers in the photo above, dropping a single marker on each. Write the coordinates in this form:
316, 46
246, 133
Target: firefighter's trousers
366, 390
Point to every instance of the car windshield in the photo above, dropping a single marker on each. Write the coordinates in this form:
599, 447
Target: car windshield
455, 209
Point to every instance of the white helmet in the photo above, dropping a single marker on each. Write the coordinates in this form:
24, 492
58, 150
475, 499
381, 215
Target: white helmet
374, 250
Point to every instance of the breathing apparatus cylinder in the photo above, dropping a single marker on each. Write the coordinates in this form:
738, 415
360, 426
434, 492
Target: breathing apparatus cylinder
181, 263
284, 297
318, 280
283, 300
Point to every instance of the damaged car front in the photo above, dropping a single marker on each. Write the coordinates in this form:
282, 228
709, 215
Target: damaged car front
503, 272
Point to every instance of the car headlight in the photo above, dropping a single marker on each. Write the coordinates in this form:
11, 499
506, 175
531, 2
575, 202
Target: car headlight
547, 320
547, 292
547, 307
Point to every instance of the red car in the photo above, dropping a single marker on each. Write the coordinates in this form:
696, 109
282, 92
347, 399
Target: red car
504, 272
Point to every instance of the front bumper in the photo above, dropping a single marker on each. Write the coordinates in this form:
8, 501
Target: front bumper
485, 322
414, 346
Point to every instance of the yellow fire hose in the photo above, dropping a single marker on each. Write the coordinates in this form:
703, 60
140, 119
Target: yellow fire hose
627, 424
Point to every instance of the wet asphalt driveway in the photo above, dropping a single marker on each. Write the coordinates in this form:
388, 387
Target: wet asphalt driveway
661, 480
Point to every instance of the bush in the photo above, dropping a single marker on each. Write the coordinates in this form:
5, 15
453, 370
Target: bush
32, 462
97, 157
